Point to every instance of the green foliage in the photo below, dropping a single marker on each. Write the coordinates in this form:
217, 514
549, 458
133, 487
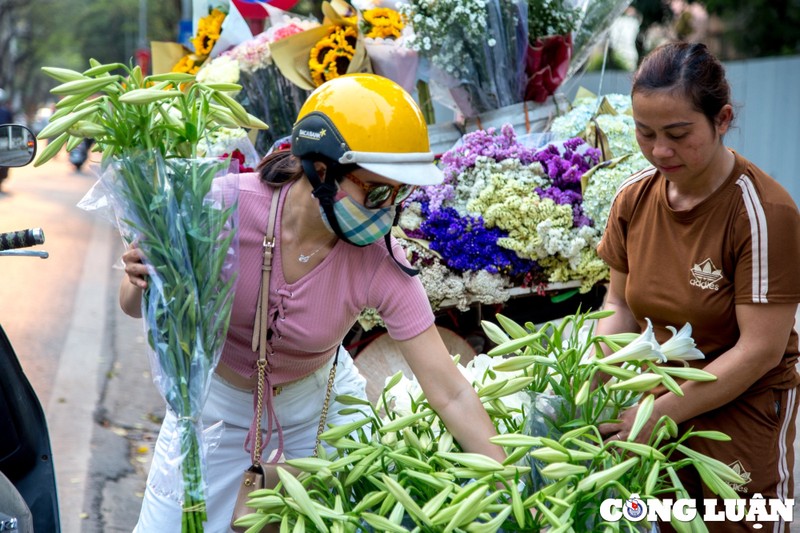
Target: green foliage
760, 28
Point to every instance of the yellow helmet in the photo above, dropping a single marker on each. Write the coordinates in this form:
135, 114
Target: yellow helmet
369, 121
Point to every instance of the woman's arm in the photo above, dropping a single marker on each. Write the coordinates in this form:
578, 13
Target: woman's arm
764, 330
450, 394
133, 283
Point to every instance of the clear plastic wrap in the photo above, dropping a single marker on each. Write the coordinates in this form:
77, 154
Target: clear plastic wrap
476, 65
182, 216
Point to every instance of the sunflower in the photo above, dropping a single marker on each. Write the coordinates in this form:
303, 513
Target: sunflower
189, 64
331, 56
208, 31
382, 22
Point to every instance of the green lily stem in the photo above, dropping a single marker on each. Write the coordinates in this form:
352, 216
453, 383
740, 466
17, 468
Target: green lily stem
426, 102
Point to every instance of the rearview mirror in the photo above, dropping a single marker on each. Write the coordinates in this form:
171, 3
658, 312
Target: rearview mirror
17, 145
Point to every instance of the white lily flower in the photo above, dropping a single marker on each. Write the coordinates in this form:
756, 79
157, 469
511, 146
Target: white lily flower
402, 394
645, 347
681, 346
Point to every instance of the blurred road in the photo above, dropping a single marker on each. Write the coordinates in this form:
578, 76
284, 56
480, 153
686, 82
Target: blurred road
62, 317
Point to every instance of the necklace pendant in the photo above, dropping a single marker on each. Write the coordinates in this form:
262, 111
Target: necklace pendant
304, 258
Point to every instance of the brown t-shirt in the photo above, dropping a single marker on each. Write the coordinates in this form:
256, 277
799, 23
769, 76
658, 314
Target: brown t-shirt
740, 245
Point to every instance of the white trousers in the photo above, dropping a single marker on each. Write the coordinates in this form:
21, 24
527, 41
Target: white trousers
297, 408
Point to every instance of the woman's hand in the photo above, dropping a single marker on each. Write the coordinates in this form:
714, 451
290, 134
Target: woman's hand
622, 429
134, 267
134, 282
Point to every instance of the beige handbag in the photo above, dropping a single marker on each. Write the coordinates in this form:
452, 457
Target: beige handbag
263, 475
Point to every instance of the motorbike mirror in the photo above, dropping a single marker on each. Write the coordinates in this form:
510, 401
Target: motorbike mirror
17, 145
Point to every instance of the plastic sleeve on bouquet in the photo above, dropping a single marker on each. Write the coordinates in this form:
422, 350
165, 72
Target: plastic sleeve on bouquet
391, 59
184, 222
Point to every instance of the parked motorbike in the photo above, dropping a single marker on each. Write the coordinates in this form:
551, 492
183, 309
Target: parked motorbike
17, 148
79, 154
28, 497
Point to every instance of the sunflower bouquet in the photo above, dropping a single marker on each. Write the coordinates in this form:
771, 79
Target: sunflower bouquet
312, 57
217, 27
386, 34
331, 56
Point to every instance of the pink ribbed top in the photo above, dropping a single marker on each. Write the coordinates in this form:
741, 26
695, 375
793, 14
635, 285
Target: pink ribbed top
316, 312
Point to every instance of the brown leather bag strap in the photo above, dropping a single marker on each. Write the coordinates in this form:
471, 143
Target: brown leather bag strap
260, 326
259, 340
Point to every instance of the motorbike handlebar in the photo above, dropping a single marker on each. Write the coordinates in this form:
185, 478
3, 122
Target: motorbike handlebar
21, 239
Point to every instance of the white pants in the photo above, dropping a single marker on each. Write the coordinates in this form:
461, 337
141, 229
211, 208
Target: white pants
297, 408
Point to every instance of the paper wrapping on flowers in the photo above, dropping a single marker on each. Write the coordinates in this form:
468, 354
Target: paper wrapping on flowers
547, 61
310, 58
191, 280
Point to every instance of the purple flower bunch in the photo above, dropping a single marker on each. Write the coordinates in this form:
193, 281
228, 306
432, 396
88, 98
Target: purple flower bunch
481, 143
565, 166
465, 243
486, 143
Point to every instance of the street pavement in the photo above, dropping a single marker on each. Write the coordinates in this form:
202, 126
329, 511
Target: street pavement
104, 410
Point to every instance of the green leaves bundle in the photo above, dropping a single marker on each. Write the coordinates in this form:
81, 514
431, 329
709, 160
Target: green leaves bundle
167, 201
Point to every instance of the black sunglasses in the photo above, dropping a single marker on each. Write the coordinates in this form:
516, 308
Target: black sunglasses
379, 193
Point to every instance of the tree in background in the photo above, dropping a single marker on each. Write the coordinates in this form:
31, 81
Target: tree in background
759, 28
67, 33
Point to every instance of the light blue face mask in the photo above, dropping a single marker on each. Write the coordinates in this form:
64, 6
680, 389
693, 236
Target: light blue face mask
359, 225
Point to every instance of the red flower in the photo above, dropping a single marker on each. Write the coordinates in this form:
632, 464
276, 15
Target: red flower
546, 63
238, 156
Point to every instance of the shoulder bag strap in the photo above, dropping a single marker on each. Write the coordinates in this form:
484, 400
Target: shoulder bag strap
259, 339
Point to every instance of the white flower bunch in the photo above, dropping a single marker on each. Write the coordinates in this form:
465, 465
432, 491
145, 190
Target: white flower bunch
574, 122
443, 30
440, 282
221, 69
603, 184
476, 178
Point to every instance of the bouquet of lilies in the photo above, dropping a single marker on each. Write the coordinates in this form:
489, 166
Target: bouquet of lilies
166, 200
399, 469
573, 469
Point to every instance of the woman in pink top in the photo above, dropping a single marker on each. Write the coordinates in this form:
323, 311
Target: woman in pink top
359, 148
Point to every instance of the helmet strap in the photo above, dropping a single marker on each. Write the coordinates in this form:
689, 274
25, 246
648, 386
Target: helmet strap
388, 239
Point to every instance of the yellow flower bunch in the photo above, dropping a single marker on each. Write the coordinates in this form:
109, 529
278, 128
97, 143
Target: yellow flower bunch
208, 32
331, 56
188, 64
383, 23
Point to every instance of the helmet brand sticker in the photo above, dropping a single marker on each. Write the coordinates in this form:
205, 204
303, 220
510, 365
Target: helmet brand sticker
312, 135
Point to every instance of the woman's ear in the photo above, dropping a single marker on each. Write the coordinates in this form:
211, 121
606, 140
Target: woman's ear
724, 119
320, 168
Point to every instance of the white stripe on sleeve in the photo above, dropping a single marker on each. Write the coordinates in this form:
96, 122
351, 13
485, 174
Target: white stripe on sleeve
758, 236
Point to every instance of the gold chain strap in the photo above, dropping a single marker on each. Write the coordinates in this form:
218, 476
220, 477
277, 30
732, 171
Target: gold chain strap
324, 416
262, 363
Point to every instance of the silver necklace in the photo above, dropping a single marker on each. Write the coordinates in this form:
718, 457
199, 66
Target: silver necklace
305, 258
